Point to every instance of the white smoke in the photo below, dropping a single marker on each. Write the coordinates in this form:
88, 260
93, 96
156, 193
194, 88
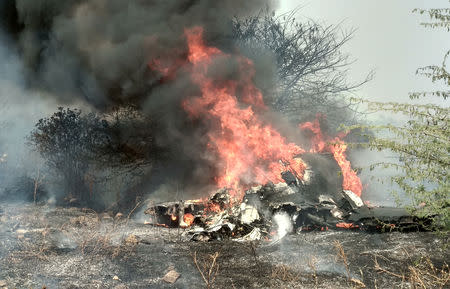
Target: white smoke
284, 225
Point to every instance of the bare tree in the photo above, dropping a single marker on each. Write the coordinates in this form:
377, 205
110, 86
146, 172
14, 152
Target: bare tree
311, 70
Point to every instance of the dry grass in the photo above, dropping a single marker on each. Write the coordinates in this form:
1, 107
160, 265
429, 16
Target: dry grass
37, 234
102, 243
341, 256
94, 236
423, 274
284, 273
426, 275
31, 248
312, 263
208, 268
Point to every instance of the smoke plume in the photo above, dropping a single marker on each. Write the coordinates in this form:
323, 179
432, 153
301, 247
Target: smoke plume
99, 54
98, 50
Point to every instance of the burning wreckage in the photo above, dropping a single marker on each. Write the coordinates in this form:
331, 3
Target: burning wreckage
304, 190
269, 212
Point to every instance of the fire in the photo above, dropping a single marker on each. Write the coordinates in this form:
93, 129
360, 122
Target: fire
188, 219
248, 150
212, 207
245, 149
337, 147
346, 225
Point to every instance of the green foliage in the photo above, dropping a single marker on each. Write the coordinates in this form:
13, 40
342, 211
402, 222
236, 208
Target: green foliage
422, 143
423, 149
440, 18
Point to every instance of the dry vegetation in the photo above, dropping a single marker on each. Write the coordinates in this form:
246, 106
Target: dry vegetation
88, 232
82, 246
284, 273
422, 273
208, 267
342, 257
312, 264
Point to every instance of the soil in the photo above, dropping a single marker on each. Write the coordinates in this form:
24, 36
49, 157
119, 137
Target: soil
54, 247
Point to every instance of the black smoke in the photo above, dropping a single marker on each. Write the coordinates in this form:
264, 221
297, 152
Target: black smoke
97, 53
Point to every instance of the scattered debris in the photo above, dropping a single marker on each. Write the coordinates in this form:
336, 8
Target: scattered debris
132, 240
171, 276
249, 214
255, 234
271, 211
106, 217
98, 252
354, 200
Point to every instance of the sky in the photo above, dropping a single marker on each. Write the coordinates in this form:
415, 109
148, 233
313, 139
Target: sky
388, 40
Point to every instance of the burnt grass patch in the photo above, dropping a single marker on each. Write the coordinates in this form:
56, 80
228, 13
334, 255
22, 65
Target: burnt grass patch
75, 248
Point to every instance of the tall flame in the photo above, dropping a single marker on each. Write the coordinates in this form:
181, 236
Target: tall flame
322, 143
249, 151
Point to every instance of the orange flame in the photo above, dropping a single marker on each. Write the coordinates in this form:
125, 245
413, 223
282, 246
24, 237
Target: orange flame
245, 149
337, 147
188, 219
346, 225
212, 207
248, 150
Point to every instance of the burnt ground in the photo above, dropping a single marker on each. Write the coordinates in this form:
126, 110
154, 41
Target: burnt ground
75, 248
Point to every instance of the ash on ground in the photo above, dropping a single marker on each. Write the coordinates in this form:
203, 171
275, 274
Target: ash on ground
77, 248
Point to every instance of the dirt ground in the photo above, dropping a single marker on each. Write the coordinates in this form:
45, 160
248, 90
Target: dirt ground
53, 247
